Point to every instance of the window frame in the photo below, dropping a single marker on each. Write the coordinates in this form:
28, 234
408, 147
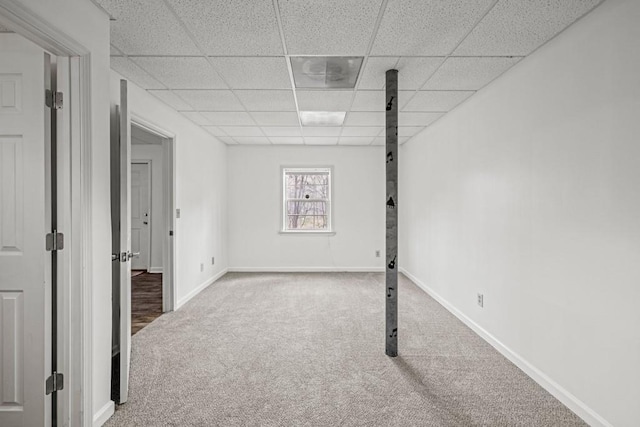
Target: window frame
284, 170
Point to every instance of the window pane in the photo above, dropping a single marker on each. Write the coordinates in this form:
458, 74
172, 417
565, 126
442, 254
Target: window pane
307, 222
307, 186
306, 208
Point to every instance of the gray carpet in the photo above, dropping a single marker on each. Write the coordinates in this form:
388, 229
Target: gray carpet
308, 350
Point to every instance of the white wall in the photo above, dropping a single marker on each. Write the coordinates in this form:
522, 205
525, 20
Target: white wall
529, 193
200, 174
153, 152
255, 208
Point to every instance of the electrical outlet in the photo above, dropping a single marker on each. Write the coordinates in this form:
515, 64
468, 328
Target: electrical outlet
177, 213
201, 266
481, 300
213, 260
378, 254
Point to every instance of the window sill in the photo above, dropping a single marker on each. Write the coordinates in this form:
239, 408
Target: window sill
307, 232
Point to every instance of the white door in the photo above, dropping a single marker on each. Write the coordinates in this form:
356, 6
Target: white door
140, 220
121, 239
24, 263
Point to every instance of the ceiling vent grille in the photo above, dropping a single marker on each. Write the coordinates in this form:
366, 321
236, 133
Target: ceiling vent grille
326, 72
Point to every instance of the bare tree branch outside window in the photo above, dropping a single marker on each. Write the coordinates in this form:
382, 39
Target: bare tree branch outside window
307, 199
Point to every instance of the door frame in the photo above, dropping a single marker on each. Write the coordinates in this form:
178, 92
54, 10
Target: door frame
169, 297
149, 164
74, 165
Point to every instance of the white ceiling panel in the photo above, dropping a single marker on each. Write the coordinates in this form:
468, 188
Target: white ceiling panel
417, 119
426, 27
365, 119
227, 118
321, 140
324, 100
321, 130
269, 118
232, 27
133, 72
182, 72
328, 27
210, 100
254, 73
515, 27
252, 140
147, 27
362, 130
375, 100
171, 99
412, 72
267, 100
408, 130
215, 131
287, 131
234, 131
227, 140
286, 140
469, 73
436, 101
197, 118
355, 140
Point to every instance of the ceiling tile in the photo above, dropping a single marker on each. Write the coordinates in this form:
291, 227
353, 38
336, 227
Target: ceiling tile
412, 71
321, 140
267, 100
365, 119
328, 27
324, 100
417, 119
286, 140
464, 73
287, 131
434, 101
361, 130
408, 130
269, 118
321, 130
227, 140
210, 100
114, 51
226, 118
196, 117
132, 72
514, 27
214, 130
147, 27
426, 27
182, 72
253, 73
232, 27
252, 140
375, 100
355, 140
242, 131
171, 99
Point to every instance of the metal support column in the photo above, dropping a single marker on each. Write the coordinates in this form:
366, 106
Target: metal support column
391, 158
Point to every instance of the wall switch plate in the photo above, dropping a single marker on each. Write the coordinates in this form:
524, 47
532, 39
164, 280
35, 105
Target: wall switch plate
213, 260
177, 213
378, 254
201, 267
481, 300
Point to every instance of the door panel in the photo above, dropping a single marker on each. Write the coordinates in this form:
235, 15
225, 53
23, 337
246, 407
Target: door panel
24, 315
140, 220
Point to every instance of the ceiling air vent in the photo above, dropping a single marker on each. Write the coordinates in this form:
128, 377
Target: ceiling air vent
325, 72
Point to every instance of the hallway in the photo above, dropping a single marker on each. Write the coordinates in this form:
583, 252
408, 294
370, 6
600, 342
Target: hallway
307, 349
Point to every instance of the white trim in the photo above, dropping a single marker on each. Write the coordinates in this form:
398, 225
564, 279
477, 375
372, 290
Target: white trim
155, 270
332, 269
210, 281
104, 414
569, 400
307, 232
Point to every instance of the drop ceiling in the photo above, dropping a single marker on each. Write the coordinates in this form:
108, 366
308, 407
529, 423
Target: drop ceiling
225, 65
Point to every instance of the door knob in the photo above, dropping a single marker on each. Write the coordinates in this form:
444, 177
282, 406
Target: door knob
145, 222
132, 254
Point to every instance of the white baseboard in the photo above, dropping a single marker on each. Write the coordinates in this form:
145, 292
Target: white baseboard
564, 396
306, 269
101, 417
155, 270
182, 301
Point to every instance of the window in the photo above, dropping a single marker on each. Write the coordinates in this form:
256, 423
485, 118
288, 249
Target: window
306, 199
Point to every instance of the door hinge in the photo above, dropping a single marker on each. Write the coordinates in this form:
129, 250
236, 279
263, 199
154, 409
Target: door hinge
54, 383
55, 241
53, 99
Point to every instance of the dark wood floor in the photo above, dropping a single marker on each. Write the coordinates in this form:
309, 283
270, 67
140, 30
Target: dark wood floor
146, 299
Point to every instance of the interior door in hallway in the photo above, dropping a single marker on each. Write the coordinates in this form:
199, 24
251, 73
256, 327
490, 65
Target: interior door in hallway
24, 315
140, 219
